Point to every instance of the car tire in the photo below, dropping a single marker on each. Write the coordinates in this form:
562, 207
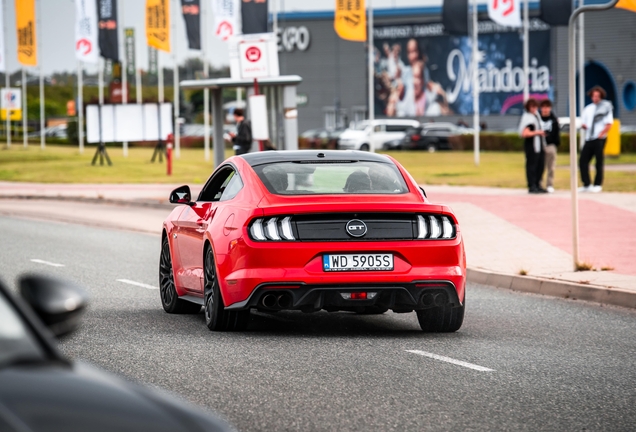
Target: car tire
169, 298
364, 147
216, 317
445, 319
431, 148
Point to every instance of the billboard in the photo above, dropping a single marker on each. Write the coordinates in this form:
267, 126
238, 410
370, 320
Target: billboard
421, 71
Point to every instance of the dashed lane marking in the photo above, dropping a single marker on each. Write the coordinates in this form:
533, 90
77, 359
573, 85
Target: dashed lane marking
451, 360
48, 263
139, 284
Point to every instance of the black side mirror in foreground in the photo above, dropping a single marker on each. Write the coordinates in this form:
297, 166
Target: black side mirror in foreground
58, 304
181, 195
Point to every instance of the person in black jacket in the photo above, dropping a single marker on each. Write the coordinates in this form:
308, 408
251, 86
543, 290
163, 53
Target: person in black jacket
530, 130
550, 125
243, 138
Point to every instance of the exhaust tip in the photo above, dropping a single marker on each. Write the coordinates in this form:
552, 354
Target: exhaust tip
428, 299
284, 301
441, 299
269, 301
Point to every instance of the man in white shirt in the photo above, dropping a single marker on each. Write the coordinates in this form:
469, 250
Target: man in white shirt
597, 120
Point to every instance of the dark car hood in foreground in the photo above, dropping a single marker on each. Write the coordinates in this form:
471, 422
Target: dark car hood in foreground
50, 397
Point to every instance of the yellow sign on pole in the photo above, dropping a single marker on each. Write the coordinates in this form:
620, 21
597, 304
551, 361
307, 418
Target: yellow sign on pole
14, 114
630, 5
25, 24
350, 20
158, 24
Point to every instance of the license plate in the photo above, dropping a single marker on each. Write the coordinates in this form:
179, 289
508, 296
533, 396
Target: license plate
357, 262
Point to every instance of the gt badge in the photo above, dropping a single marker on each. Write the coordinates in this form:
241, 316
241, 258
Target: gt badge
356, 228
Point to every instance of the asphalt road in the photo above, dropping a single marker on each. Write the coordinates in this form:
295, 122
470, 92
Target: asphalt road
554, 364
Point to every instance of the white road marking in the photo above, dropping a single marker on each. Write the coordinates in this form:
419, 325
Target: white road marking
48, 263
139, 284
451, 360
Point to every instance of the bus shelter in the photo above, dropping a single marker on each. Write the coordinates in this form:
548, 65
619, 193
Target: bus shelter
282, 111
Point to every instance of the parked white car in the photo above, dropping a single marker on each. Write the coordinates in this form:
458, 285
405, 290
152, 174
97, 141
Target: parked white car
384, 130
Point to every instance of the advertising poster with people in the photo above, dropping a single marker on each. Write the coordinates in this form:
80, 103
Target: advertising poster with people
421, 71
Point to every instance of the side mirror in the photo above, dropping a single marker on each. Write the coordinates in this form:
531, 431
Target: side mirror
181, 195
58, 304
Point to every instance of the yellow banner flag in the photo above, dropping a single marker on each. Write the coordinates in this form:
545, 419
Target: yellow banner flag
158, 24
25, 24
351, 21
630, 5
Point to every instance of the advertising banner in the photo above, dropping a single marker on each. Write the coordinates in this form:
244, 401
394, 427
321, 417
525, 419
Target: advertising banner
25, 25
505, 12
629, 5
421, 71
158, 24
12, 103
455, 17
191, 10
350, 21
129, 48
86, 37
108, 40
227, 18
254, 14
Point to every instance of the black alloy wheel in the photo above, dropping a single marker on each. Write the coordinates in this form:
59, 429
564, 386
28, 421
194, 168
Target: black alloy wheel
444, 319
365, 147
169, 299
216, 317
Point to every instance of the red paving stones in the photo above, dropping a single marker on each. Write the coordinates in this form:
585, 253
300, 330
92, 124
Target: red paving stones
607, 233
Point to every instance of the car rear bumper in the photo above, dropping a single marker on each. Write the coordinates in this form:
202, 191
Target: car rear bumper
296, 267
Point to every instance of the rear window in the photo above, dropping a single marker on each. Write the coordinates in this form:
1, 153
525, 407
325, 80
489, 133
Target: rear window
307, 178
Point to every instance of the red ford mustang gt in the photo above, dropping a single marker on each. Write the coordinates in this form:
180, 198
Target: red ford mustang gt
312, 230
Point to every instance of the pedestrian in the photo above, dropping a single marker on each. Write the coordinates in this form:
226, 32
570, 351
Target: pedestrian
550, 125
597, 120
530, 129
243, 138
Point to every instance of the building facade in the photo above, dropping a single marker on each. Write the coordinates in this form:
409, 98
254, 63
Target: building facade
423, 73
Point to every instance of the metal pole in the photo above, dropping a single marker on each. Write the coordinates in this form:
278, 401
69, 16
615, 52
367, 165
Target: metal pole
206, 91
24, 110
526, 50
581, 22
177, 129
100, 79
124, 65
160, 96
275, 16
42, 119
371, 75
80, 105
573, 149
7, 82
476, 82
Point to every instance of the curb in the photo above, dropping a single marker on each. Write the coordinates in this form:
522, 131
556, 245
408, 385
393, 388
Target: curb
129, 203
555, 288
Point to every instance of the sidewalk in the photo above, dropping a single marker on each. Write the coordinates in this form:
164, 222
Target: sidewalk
507, 231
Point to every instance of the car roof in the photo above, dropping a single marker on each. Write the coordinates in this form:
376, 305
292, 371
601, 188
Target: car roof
267, 157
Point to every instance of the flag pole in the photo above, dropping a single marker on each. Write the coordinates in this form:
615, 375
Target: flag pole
24, 109
371, 75
80, 104
526, 50
177, 129
581, 72
124, 65
476, 82
42, 119
206, 91
7, 81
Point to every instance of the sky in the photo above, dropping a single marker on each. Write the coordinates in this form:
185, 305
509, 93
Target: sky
56, 31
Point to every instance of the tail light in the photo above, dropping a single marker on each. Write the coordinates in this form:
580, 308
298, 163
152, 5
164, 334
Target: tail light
435, 227
272, 229
415, 137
